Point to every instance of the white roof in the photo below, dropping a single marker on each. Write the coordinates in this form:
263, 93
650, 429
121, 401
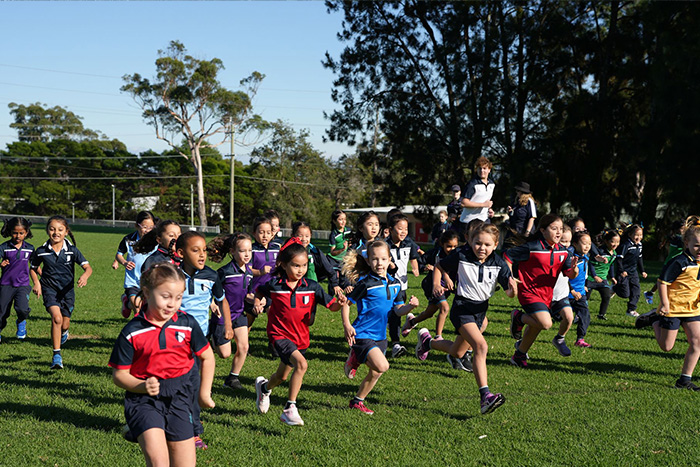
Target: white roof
409, 209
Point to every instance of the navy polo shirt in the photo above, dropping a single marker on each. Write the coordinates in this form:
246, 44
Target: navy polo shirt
146, 349
160, 255
476, 281
16, 273
478, 192
58, 270
236, 283
200, 288
630, 257
375, 298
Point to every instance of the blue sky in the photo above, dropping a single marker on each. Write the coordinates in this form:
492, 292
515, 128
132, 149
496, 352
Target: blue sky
73, 54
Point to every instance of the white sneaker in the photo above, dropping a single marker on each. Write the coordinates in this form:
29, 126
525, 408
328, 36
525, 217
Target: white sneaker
291, 416
632, 313
262, 399
407, 327
398, 350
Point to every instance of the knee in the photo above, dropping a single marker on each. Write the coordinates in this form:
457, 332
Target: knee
381, 369
57, 319
544, 325
694, 343
444, 308
301, 365
242, 349
666, 346
481, 348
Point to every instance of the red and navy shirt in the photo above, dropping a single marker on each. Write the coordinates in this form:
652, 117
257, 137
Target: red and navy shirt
16, 274
539, 264
290, 309
146, 349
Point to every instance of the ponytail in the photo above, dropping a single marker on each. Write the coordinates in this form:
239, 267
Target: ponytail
148, 242
222, 245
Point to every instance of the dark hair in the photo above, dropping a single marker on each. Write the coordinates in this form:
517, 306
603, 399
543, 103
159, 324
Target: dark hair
392, 212
63, 221
222, 245
334, 217
544, 222
184, 239
10, 225
149, 241
447, 236
299, 225
575, 220
395, 219
259, 221
632, 228
606, 236
271, 214
356, 265
357, 236
578, 236
159, 273
289, 250
143, 215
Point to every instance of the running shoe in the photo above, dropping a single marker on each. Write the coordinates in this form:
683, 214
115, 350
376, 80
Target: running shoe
686, 385
407, 326
649, 297
422, 348
351, 365
291, 416
632, 313
582, 343
491, 402
561, 346
519, 361
646, 319
22, 330
64, 336
398, 350
602, 317
460, 363
359, 405
233, 382
262, 399
516, 324
126, 311
57, 362
517, 347
199, 443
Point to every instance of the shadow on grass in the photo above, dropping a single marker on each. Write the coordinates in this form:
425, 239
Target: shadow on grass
61, 415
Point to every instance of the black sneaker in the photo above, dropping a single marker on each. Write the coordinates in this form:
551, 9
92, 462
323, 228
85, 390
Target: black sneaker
646, 319
467, 363
686, 385
603, 317
232, 382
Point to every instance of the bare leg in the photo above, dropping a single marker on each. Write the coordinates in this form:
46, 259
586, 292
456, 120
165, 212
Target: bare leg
567, 318
692, 332
241, 336
300, 366
155, 447
378, 365
56, 326
535, 322
182, 453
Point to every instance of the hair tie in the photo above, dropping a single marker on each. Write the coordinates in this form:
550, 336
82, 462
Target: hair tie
291, 241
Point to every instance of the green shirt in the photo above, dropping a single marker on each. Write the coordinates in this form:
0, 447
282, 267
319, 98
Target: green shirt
602, 269
337, 240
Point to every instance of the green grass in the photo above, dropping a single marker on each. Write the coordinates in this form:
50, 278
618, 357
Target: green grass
612, 404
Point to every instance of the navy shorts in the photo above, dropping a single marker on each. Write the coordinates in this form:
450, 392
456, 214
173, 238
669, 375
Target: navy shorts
466, 311
285, 348
536, 307
65, 300
363, 346
170, 411
558, 306
131, 291
217, 332
428, 291
675, 323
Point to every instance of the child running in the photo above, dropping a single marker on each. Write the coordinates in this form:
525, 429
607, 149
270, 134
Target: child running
630, 265
145, 221
377, 295
581, 243
152, 360
339, 239
561, 306
15, 256
539, 262
265, 252
679, 294
366, 231
236, 277
159, 244
57, 258
479, 270
202, 288
600, 273
291, 298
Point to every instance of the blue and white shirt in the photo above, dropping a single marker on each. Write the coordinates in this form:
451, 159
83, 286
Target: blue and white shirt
476, 281
477, 191
126, 247
200, 289
375, 298
401, 255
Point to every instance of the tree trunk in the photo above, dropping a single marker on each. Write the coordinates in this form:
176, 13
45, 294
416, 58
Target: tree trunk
197, 162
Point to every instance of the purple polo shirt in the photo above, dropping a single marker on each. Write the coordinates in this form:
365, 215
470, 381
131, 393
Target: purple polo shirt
236, 282
263, 257
16, 273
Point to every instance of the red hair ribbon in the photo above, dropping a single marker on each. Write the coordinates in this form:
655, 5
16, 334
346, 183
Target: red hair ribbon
291, 241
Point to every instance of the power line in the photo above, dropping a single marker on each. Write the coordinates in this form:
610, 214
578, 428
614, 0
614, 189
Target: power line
59, 71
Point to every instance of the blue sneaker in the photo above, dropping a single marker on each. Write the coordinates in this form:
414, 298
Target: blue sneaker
57, 362
649, 297
22, 330
64, 337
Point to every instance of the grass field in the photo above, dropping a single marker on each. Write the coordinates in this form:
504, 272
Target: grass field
611, 404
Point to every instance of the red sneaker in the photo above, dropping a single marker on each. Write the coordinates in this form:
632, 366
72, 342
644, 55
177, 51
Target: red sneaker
126, 310
351, 365
359, 405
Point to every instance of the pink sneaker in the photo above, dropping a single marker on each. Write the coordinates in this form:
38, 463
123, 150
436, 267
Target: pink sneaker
361, 407
407, 326
199, 443
291, 416
582, 343
351, 365
422, 349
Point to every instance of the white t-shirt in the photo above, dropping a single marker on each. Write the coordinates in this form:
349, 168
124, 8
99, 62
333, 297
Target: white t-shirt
477, 192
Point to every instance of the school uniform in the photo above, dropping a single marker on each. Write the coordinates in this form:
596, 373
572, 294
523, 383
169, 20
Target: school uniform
320, 267
263, 257
167, 353
401, 255
682, 276
438, 229
478, 192
476, 283
521, 214
376, 298
604, 271
580, 306
289, 316
336, 240
58, 274
539, 265
433, 257
160, 255
629, 261
132, 277
14, 283
236, 283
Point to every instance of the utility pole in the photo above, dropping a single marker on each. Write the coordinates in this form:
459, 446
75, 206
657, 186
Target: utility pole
233, 178
192, 205
113, 209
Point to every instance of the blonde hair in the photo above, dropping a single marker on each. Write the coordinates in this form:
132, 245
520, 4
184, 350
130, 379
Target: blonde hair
523, 198
485, 228
356, 265
690, 232
482, 162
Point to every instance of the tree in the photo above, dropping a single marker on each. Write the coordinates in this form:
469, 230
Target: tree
38, 122
186, 100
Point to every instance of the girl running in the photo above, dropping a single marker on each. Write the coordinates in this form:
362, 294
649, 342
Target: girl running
600, 273
561, 306
339, 239
581, 243
236, 277
630, 265
377, 295
145, 221
479, 270
539, 262
291, 298
15, 256
161, 239
265, 252
57, 258
152, 360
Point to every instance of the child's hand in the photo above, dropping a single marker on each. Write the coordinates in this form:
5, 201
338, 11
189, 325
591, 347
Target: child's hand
228, 334
4, 263
415, 272
266, 269
130, 265
37, 289
644, 275
348, 290
438, 290
449, 284
115, 264
338, 291
663, 309
152, 386
215, 309
82, 281
624, 274
206, 401
614, 281
413, 301
576, 295
598, 279
349, 334
345, 245
429, 267
512, 287
601, 259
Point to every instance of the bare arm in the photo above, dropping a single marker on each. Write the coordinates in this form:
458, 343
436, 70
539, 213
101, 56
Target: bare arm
125, 380
207, 363
82, 280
